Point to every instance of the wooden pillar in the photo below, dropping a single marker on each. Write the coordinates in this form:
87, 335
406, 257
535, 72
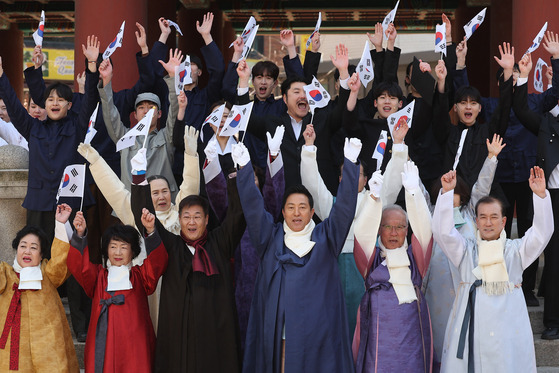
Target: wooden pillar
105, 25
11, 50
528, 17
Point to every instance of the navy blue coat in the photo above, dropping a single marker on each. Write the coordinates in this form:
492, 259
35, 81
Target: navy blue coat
52, 145
304, 294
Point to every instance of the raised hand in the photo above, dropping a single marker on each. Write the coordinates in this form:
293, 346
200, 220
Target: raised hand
448, 28
38, 57
525, 65
80, 224
106, 71
354, 83
88, 152
537, 181
375, 184
148, 221
240, 154
183, 102
63, 212
391, 34
440, 71
141, 38
376, 38
238, 46
549, 74
551, 44
507, 59
495, 146
244, 73
462, 52
175, 59
287, 38
80, 79
424, 66
206, 27
309, 135
191, 140
274, 143
165, 30
448, 181
352, 148
400, 131
341, 60
410, 177
316, 42
91, 49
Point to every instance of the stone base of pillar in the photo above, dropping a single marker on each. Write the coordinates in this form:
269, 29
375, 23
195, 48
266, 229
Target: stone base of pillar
14, 163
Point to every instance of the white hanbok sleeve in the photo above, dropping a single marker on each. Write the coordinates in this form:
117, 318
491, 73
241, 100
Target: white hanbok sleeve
482, 187
311, 179
445, 234
365, 229
537, 237
392, 175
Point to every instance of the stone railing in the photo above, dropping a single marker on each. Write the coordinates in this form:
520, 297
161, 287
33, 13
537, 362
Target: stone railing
14, 170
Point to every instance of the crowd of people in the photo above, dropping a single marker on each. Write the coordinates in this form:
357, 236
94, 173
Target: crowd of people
292, 246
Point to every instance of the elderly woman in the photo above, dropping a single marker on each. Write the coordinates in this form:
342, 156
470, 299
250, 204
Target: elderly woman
35, 333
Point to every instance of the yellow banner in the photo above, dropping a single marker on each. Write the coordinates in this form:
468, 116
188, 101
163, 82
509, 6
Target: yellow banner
58, 65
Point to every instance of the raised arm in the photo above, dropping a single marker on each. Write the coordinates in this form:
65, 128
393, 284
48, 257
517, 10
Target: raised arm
191, 171
529, 119
108, 183
395, 166
34, 77
111, 116
445, 234
291, 61
155, 263
56, 268
536, 238
501, 117
310, 176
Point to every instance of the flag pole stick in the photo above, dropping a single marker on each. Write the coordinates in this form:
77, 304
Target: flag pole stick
244, 133
312, 115
83, 184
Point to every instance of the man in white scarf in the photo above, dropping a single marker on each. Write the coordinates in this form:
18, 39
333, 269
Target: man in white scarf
489, 329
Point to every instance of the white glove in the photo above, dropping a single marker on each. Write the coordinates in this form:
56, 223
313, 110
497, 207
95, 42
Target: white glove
240, 155
375, 184
88, 152
274, 143
410, 177
352, 148
211, 149
190, 140
139, 162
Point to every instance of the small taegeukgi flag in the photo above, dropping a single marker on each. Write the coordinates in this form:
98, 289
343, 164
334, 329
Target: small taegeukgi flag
440, 38
116, 43
474, 23
72, 182
173, 24
378, 154
183, 75
317, 96
538, 75
365, 66
38, 34
249, 28
237, 120
214, 119
91, 131
406, 113
140, 129
316, 28
537, 40
389, 19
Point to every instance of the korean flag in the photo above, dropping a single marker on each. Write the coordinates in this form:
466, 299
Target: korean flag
389, 19
214, 119
538, 75
406, 113
72, 182
91, 131
183, 75
140, 129
378, 154
237, 120
440, 38
317, 96
365, 66
38, 35
116, 43
474, 23
537, 40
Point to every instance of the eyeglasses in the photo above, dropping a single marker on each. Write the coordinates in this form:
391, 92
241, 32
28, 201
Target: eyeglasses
196, 218
389, 228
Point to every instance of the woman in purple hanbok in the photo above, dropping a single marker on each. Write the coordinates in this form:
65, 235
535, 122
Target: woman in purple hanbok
394, 329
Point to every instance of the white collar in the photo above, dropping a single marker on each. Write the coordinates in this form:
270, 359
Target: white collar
29, 277
119, 278
299, 242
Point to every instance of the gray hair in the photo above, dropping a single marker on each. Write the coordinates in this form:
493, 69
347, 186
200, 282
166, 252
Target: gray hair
395, 207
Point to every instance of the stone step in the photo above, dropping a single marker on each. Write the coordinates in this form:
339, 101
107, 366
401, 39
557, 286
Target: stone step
548, 369
547, 353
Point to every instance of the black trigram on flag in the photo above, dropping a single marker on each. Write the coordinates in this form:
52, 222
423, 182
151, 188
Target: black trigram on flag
73, 188
141, 127
74, 172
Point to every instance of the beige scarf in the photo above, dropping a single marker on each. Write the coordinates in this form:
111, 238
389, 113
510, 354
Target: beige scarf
170, 219
299, 242
29, 277
491, 265
398, 264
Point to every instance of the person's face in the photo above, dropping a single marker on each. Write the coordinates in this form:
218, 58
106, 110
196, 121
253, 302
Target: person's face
193, 222
362, 178
142, 110
120, 252
57, 107
296, 101
387, 105
160, 194
467, 111
490, 221
393, 229
29, 251
263, 86
36, 111
297, 212
223, 120
3, 112
196, 72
